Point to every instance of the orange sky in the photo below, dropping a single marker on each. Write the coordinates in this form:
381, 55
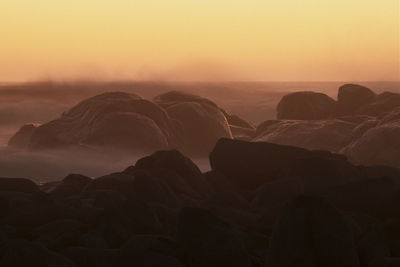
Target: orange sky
200, 39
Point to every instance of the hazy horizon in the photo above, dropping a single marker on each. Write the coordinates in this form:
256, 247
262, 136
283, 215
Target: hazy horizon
309, 40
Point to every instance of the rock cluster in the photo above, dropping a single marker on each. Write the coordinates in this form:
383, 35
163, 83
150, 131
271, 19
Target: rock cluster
360, 124
262, 204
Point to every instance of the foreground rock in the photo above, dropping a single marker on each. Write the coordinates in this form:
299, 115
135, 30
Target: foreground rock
262, 204
311, 232
251, 164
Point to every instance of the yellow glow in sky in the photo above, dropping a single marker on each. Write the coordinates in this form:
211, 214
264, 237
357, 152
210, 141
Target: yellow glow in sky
200, 39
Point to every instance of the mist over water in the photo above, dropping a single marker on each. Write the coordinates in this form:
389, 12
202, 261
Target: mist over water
43, 102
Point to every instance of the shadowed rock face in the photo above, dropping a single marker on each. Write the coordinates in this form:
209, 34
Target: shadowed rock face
311, 232
351, 97
305, 106
202, 121
262, 204
251, 164
22, 138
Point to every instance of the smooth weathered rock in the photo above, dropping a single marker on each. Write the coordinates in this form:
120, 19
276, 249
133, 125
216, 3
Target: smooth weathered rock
202, 121
117, 121
351, 97
305, 106
331, 135
22, 138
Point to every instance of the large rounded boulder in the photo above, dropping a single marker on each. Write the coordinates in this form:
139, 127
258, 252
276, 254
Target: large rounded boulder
379, 145
114, 120
305, 106
202, 121
351, 97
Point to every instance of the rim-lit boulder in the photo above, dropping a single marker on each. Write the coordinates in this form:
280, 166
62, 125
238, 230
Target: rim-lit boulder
202, 121
114, 120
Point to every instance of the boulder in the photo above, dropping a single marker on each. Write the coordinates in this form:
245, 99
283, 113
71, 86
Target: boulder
382, 103
71, 185
202, 121
22, 138
59, 234
351, 97
19, 252
175, 162
18, 185
209, 241
114, 120
248, 165
377, 146
310, 232
311, 134
305, 106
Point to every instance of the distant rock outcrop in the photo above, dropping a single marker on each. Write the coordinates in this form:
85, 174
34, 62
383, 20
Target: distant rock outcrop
305, 106
361, 124
116, 120
202, 121
22, 138
351, 97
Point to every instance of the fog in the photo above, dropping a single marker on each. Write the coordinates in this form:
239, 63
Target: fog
41, 102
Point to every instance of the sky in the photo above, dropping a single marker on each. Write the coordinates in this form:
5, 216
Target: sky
252, 40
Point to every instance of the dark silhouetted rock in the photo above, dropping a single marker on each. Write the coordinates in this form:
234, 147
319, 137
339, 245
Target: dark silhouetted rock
22, 138
383, 103
92, 257
22, 253
59, 234
173, 161
305, 106
209, 241
121, 183
351, 97
148, 250
18, 185
311, 232
71, 185
250, 164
